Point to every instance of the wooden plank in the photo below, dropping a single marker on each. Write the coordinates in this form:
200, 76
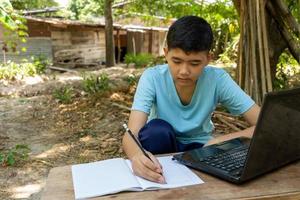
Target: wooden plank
282, 184
38, 29
150, 41
75, 47
62, 69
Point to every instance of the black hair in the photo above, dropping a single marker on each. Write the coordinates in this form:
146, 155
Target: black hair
190, 34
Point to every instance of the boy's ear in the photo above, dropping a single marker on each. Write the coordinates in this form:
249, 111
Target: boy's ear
210, 56
166, 51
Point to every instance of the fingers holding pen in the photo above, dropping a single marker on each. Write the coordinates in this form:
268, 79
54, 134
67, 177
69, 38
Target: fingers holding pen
147, 169
155, 167
158, 166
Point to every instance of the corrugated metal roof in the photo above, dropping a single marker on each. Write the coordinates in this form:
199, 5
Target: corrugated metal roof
58, 22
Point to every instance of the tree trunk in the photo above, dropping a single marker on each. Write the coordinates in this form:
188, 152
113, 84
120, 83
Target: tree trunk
262, 41
109, 34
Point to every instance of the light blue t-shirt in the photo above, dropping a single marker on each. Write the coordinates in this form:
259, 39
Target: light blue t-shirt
156, 95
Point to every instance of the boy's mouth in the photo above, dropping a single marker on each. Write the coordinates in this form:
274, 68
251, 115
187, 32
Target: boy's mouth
184, 79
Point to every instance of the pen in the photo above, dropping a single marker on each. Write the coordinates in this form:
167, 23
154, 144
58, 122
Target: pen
136, 141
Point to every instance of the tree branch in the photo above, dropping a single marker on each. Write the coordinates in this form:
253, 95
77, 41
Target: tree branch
291, 42
286, 14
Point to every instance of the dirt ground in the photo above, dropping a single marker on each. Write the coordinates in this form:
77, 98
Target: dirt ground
86, 130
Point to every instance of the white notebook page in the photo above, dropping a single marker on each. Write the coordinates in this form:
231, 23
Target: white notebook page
176, 175
102, 177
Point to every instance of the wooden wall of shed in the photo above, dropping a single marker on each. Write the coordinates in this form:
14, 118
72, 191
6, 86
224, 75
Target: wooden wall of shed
39, 45
38, 29
135, 41
149, 41
35, 46
77, 47
155, 43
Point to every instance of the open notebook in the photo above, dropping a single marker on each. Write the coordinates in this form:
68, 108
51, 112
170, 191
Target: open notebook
115, 175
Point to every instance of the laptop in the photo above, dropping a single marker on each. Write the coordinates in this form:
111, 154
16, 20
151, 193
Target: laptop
275, 143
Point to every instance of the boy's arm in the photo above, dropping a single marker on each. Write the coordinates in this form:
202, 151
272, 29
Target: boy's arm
141, 165
137, 120
251, 117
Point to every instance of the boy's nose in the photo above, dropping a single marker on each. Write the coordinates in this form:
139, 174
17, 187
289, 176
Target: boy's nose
184, 70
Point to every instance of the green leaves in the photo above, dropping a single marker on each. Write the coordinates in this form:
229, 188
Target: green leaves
139, 60
12, 70
19, 152
14, 26
6, 15
30, 4
93, 84
10, 158
86, 9
64, 95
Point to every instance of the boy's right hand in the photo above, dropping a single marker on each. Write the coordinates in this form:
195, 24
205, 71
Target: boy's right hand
148, 169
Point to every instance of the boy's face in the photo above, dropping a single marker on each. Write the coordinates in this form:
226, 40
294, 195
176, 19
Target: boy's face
186, 68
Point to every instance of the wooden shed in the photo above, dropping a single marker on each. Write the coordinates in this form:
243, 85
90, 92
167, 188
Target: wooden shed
64, 42
72, 43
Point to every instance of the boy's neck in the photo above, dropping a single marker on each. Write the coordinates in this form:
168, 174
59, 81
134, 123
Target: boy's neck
185, 93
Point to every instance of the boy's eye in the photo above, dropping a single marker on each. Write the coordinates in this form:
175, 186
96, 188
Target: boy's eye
176, 61
195, 64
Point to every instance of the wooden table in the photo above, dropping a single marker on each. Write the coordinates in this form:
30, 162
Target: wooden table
283, 184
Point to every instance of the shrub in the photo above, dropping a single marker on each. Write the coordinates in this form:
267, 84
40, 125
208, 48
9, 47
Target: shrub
40, 62
139, 60
64, 95
12, 70
93, 84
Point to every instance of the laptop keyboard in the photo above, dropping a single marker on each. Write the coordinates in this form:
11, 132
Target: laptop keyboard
228, 161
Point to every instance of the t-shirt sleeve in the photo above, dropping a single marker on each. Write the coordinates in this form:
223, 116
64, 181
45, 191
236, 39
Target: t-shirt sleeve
145, 92
232, 96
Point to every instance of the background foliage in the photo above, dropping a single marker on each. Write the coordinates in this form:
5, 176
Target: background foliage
15, 29
32, 4
221, 14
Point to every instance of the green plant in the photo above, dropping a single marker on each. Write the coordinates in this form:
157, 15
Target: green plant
159, 60
96, 84
132, 79
139, 60
281, 78
287, 67
16, 154
63, 95
229, 55
11, 70
14, 27
40, 62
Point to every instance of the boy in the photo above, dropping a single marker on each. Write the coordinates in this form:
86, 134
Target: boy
173, 103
